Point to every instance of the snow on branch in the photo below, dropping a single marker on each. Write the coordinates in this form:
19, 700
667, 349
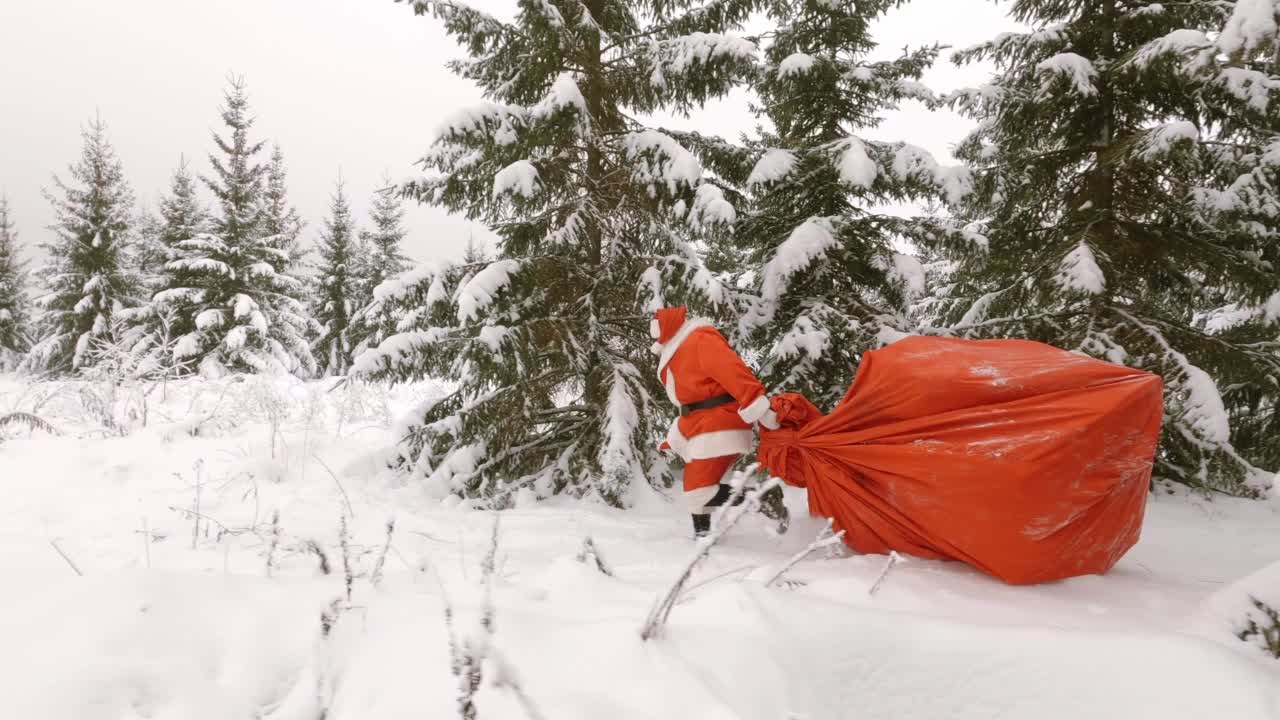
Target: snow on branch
855, 165
1075, 68
1162, 138
1252, 26
682, 54
1204, 411
773, 166
487, 119
1079, 271
564, 93
179, 295
210, 319
395, 349
1193, 46
661, 161
400, 286
622, 419
480, 291
807, 243
825, 539
201, 264
519, 178
912, 161
711, 208
795, 64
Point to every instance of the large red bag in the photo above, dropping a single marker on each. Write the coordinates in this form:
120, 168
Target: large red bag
1027, 462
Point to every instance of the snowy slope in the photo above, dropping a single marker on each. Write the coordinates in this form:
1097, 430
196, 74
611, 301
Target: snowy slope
161, 630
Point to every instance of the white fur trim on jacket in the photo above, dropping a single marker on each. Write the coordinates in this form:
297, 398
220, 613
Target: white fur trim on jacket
669, 348
655, 330
670, 386
698, 499
717, 443
756, 410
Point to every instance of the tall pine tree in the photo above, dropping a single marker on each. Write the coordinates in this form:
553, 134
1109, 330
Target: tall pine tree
340, 287
1092, 157
87, 279
829, 282
280, 220
15, 315
547, 343
232, 294
375, 321
158, 325
1236, 74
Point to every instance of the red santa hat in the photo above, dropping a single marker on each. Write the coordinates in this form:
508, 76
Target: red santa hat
666, 323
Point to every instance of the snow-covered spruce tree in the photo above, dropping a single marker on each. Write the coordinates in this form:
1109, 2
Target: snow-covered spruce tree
87, 279
1090, 161
829, 282
280, 220
376, 322
594, 210
239, 307
147, 255
340, 286
1237, 76
157, 325
14, 306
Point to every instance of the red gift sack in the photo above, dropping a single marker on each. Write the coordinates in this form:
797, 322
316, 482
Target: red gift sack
1027, 462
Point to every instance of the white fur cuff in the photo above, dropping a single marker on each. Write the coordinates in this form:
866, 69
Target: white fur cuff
755, 410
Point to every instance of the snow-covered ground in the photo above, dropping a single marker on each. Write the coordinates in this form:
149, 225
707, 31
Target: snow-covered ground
190, 625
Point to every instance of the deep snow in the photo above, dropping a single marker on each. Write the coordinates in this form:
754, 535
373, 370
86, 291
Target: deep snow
161, 630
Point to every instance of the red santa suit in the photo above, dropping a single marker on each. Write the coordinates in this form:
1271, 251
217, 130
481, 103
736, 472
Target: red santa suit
719, 398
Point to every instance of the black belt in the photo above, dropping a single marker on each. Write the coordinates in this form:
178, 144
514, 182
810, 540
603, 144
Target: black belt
707, 404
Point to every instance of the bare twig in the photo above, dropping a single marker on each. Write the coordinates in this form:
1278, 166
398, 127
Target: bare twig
376, 578
589, 552
195, 530
894, 557
275, 543
825, 539
222, 529
344, 541
314, 547
507, 678
337, 482
54, 543
726, 518
32, 421
713, 578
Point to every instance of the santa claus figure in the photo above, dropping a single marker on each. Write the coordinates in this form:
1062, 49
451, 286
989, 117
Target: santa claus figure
720, 402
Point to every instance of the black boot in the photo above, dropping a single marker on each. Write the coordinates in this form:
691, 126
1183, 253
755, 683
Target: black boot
701, 525
724, 496
773, 507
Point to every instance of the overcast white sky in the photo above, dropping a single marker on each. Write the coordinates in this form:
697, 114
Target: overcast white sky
351, 85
